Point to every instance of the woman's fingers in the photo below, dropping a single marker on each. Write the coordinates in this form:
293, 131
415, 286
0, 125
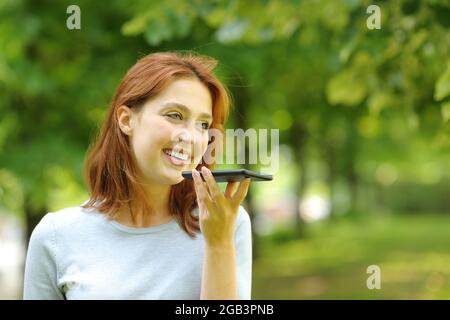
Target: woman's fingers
230, 190
241, 193
211, 183
209, 194
200, 189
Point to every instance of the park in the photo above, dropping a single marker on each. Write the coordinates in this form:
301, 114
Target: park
356, 102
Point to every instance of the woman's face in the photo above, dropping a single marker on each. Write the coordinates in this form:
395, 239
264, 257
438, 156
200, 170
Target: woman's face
176, 119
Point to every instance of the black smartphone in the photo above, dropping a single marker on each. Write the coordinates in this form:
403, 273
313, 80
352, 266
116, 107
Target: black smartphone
233, 175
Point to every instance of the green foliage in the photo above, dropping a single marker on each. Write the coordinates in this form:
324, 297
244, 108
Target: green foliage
364, 114
346, 88
293, 65
443, 85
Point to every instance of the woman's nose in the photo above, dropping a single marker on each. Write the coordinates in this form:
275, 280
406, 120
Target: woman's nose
186, 135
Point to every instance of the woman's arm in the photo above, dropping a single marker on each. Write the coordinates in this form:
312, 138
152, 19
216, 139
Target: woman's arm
218, 213
40, 278
243, 263
219, 281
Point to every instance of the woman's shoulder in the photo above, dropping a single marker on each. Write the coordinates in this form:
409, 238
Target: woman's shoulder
47, 227
66, 218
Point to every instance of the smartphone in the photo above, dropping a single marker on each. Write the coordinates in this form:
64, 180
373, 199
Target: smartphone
233, 175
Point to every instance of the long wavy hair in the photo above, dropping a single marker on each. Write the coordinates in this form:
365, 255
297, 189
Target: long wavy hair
111, 174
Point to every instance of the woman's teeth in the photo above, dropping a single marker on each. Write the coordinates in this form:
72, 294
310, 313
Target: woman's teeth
177, 155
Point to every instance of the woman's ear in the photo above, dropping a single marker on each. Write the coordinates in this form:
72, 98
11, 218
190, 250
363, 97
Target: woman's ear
125, 119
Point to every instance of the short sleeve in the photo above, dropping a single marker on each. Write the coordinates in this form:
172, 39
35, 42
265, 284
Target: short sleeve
40, 278
243, 243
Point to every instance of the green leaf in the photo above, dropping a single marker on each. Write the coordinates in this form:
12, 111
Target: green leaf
442, 87
346, 88
157, 32
379, 101
136, 25
232, 31
445, 111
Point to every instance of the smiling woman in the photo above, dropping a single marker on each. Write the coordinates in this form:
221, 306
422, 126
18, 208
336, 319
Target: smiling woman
141, 124
146, 232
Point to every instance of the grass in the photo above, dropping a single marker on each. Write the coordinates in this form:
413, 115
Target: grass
330, 262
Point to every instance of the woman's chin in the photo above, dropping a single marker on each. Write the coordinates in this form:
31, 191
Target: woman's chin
175, 177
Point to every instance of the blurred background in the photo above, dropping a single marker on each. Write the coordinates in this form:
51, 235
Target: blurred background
363, 116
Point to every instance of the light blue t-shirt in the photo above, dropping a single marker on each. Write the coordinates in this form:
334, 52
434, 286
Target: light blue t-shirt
78, 253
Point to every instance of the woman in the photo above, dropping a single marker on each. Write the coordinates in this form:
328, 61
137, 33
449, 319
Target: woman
146, 232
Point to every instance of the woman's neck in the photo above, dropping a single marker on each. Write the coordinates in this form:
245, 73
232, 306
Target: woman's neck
159, 199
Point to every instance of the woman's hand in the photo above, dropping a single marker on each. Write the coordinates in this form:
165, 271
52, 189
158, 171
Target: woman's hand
218, 211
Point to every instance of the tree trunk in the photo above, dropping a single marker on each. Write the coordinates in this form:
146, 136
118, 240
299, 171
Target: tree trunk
298, 139
330, 159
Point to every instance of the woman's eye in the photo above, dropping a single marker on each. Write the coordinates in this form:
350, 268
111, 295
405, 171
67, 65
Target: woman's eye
174, 115
205, 125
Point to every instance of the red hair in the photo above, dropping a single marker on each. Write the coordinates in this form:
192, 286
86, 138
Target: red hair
111, 174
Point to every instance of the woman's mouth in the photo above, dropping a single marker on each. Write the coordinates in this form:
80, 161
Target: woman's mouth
177, 158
